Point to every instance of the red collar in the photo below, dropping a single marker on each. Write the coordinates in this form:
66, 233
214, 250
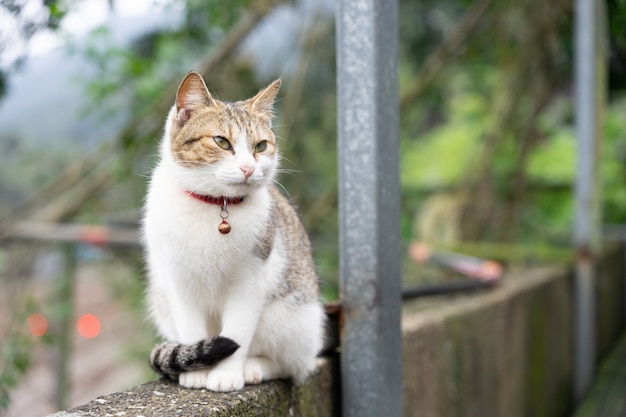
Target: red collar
218, 201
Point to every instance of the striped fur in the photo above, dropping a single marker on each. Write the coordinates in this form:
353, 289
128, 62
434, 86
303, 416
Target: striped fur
170, 359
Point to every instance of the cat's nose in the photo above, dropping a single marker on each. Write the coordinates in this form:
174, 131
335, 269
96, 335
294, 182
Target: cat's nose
247, 170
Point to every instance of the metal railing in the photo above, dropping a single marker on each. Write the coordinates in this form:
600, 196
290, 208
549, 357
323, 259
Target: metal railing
67, 237
590, 87
369, 207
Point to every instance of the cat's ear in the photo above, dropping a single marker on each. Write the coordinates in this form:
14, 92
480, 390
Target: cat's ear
191, 94
263, 102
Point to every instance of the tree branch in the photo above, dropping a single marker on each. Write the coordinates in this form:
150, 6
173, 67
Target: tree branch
444, 52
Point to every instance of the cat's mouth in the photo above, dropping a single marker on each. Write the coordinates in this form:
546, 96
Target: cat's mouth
246, 182
237, 188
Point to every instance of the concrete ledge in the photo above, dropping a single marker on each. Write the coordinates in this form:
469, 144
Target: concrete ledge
507, 352
317, 397
504, 352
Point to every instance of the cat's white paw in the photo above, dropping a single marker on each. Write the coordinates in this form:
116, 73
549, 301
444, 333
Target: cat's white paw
224, 381
253, 371
194, 379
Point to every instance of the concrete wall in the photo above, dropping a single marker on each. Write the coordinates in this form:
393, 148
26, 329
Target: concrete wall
503, 353
506, 352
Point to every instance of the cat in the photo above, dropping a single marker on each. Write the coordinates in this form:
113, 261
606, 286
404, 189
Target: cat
232, 285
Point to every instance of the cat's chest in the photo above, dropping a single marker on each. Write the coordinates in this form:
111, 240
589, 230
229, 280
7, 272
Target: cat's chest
187, 230
201, 230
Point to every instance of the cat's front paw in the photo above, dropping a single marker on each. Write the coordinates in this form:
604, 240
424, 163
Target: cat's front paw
253, 371
224, 381
194, 379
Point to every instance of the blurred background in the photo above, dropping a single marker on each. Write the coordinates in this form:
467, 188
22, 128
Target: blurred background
487, 153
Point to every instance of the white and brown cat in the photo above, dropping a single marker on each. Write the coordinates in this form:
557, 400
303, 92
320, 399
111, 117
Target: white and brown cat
232, 285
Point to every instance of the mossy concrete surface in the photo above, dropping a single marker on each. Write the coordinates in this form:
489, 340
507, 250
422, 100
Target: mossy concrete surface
610, 293
508, 351
502, 352
164, 398
607, 395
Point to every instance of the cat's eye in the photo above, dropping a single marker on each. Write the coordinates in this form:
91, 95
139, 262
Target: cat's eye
261, 146
222, 142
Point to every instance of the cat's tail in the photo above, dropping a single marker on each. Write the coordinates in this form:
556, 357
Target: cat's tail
170, 359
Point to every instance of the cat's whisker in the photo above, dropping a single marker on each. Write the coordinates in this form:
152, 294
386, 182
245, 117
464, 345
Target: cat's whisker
282, 187
286, 171
283, 159
144, 175
200, 186
279, 99
189, 175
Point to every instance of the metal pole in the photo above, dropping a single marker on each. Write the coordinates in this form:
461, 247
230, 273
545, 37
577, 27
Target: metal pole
65, 305
590, 86
369, 208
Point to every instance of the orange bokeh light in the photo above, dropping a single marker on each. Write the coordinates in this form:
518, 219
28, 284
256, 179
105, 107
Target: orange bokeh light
37, 324
88, 326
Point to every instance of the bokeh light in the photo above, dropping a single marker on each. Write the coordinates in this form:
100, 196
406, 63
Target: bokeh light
37, 324
88, 326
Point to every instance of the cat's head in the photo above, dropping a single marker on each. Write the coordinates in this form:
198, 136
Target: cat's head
220, 148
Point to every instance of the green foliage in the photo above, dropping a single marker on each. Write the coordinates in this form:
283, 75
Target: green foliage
56, 12
554, 165
22, 20
139, 74
616, 17
23, 169
613, 166
445, 155
494, 126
